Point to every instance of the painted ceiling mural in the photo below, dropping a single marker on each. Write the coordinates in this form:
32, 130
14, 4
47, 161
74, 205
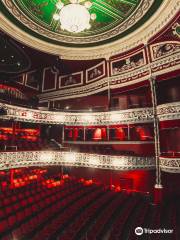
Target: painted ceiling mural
113, 18
110, 13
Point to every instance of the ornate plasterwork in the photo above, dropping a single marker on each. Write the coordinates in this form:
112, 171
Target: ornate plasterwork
130, 77
9, 160
124, 79
138, 13
166, 64
71, 80
127, 63
166, 11
137, 115
169, 111
176, 29
96, 72
170, 164
55, 76
163, 49
91, 88
160, 66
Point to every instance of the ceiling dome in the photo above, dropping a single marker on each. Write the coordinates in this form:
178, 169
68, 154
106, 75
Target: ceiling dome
109, 23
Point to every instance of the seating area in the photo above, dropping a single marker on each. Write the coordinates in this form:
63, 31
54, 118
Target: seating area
111, 133
12, 95
89, 120
101, 149
25, 145
78, 209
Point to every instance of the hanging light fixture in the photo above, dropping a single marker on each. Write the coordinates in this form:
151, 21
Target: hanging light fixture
74, 17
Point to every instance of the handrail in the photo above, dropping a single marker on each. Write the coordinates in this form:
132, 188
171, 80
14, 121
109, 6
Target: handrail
137, 115
18, 159
168, 111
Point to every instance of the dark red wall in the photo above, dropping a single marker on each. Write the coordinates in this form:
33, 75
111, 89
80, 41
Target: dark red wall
141, 180
138, 149
100, 100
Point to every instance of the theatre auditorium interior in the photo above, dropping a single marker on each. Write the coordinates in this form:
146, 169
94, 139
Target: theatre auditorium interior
89, 119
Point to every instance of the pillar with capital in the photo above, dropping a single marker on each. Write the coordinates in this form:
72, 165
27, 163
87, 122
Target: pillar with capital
108, 82
158, 188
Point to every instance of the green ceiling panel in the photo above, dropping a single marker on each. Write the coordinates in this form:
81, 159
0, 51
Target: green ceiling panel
109, 14
115, 19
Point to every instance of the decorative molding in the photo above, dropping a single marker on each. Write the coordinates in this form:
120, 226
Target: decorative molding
22, 80
108, 142
159, 20
170, 164
175, 29
159, 67
73, 83
55, 80
138, 115
163, 49
130, 77
129, 67
26, 80
23, 17
9, 160
169, 111
166, 64
92, 88
99, 74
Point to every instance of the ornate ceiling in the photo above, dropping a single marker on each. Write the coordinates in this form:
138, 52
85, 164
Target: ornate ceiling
111, 15
116, 20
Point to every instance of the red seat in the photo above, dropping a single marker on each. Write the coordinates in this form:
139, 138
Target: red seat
3, 225
12, 220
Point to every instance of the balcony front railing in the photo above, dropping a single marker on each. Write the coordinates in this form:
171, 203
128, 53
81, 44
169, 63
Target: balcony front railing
9, 160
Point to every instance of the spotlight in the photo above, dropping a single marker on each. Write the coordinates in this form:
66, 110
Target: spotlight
88, 4
93, 16
56, 16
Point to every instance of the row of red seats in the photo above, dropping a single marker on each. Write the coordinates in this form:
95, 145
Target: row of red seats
32, 205
26, 229
87, 214
58, 222
140, 218
103, 218
25, 145
121, 220
18, 200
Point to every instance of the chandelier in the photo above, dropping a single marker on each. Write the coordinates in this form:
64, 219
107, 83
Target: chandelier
74, 17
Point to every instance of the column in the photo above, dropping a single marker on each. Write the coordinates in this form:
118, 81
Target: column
84, 134
108, 137
108, 83
158, 188
63, 134
128, 136
13, 131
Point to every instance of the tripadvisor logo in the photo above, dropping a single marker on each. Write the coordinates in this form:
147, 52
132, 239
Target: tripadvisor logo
138, 231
